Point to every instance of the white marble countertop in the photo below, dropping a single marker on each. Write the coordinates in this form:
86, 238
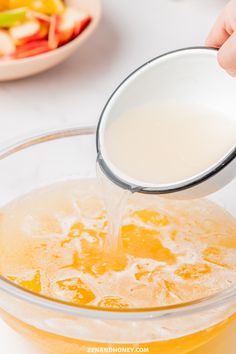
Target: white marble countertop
74, 93
131, 32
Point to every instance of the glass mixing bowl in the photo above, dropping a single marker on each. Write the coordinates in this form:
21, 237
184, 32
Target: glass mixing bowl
59, 327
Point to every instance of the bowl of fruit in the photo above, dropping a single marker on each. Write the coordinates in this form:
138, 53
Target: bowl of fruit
36, 35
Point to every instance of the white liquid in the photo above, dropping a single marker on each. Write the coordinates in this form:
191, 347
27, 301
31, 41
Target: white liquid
162, 144
115, 200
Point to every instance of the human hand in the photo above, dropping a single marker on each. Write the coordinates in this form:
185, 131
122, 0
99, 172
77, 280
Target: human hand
223, 36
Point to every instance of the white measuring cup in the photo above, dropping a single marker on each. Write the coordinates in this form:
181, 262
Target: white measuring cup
186, 76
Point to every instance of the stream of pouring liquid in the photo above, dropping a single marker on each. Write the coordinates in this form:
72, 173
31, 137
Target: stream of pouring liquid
115, 200
161, 144
164, 144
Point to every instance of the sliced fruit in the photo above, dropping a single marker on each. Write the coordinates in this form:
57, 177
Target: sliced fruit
31, 49
67, 26
76, 18
7, 46
80, 27
44, 30
53, 38
61, 30
33, 283
144, 243
75, 290
3, 5
11, 17
25, 32
50, 7
14, 4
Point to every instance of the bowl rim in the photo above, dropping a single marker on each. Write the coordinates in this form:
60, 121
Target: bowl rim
8, 287
76, 41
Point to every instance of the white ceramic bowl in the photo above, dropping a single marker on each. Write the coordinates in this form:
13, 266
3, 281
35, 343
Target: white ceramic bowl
189, 75
16, 69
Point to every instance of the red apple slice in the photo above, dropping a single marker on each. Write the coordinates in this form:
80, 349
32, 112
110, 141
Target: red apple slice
25, 32
67, 26
31, 49
73, 21
82, 24
53, 38
7, 46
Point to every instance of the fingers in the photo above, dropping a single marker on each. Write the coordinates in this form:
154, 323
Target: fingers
223, 36
218, 35
227, 55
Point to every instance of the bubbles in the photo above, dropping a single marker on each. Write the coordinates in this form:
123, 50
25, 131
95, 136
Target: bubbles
169, 251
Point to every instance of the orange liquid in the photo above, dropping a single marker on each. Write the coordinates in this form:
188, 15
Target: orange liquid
171, 252
50, 343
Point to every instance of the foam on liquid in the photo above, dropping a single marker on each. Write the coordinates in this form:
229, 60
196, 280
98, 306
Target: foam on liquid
53, 242
162, 144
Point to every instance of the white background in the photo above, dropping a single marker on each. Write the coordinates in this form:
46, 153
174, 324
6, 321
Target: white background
131, 32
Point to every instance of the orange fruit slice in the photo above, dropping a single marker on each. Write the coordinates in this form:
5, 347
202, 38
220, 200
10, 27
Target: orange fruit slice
76, 291
3, 5
32, 283
50, 7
